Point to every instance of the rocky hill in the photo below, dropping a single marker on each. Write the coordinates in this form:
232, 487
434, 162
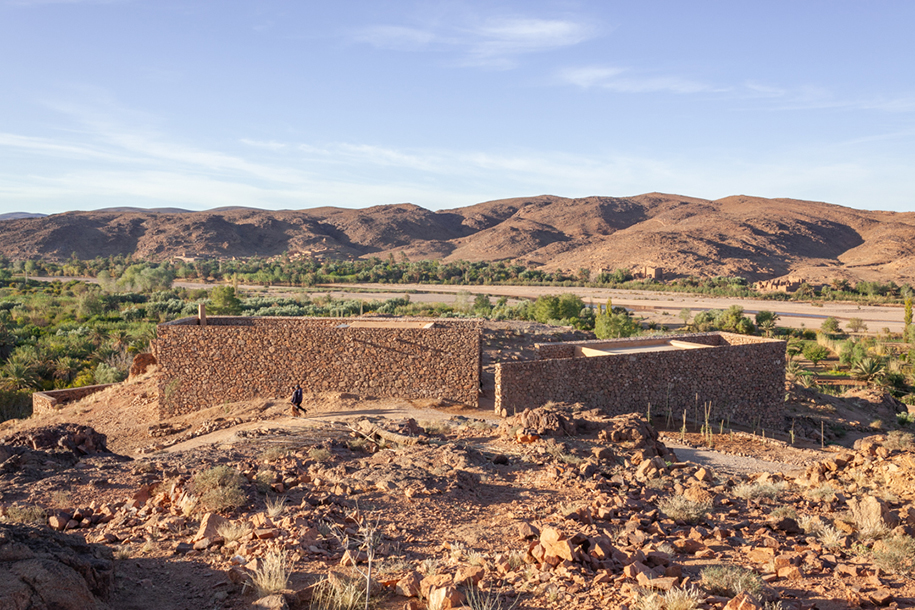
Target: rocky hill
749, 236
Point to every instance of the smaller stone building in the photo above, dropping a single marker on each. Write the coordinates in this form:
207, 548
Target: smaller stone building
741, 377
205, 361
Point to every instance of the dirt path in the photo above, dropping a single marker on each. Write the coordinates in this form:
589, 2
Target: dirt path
665, 307
730, 464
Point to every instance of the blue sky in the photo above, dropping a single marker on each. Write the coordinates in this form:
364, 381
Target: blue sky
297, 104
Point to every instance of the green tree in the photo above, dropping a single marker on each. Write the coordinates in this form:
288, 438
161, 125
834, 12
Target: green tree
907, 319
856, 325
224, 302
481, 305
815, 353
615, 325
869, 370
17, 376
830, 326
766, 321
733, 320
686, 314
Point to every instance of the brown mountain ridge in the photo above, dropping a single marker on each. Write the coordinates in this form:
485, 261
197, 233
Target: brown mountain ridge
754, 237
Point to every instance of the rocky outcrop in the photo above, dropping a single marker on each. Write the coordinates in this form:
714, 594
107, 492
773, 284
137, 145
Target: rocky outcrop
44, 570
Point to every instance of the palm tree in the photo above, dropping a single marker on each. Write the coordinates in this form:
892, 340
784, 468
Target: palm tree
66, 368
869, 370
17, 376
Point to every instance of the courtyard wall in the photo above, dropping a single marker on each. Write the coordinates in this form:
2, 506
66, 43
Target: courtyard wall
241, 358
743, 378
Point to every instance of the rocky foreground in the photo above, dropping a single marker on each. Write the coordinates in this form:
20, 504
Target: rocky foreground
556, 507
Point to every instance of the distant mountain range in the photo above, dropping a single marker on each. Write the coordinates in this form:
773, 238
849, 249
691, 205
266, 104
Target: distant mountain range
747, 236
17, 215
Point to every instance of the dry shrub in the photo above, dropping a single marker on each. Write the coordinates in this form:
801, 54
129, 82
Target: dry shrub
233, 531
25, 514
896, 554
275, 506
822, 492
683, 509
897, 439
675, 599
272, 575
319, 454
751, 491
338, 594
220, 488
478, 599
730, 580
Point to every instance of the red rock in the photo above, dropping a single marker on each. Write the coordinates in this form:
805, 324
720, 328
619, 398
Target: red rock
57, 522
549, 535
408, 586
469, 575
882, 597
790, 572
265, 534
208, 526
528, 531
744, 601
688, 546
434, 581
444, 598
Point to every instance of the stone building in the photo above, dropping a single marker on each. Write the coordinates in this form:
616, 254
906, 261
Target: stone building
740, 377
206, 361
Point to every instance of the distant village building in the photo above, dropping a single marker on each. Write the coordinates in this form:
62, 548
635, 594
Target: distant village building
650, 273
782, 284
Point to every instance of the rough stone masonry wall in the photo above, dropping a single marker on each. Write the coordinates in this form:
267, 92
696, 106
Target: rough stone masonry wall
45, 402
234, 358
743, 377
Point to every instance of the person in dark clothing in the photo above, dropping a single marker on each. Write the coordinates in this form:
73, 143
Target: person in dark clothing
297, 401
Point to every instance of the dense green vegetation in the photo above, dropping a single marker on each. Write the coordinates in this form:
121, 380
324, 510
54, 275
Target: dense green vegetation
62, 334
129, 274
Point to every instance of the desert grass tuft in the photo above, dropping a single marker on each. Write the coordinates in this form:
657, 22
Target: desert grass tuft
478, 599
822, 492
25, 514
319, 454
675, 599
731, 580
274, 453
752, 491
233, 532
896, 555
338, 594
272, 574
897, 439
220, 488
683, 509
275, 506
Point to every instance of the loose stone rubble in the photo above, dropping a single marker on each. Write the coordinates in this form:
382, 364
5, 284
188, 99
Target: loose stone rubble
557, 506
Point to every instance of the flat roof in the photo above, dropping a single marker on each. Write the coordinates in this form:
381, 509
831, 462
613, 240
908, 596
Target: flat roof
667, 345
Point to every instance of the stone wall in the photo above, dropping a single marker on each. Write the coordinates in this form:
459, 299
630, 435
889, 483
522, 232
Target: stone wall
44, 402
241, 358
743, 377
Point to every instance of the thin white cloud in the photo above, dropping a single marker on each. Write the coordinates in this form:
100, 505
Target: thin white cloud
394, 37
44, 2
494, 42
624, 80
269, 145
